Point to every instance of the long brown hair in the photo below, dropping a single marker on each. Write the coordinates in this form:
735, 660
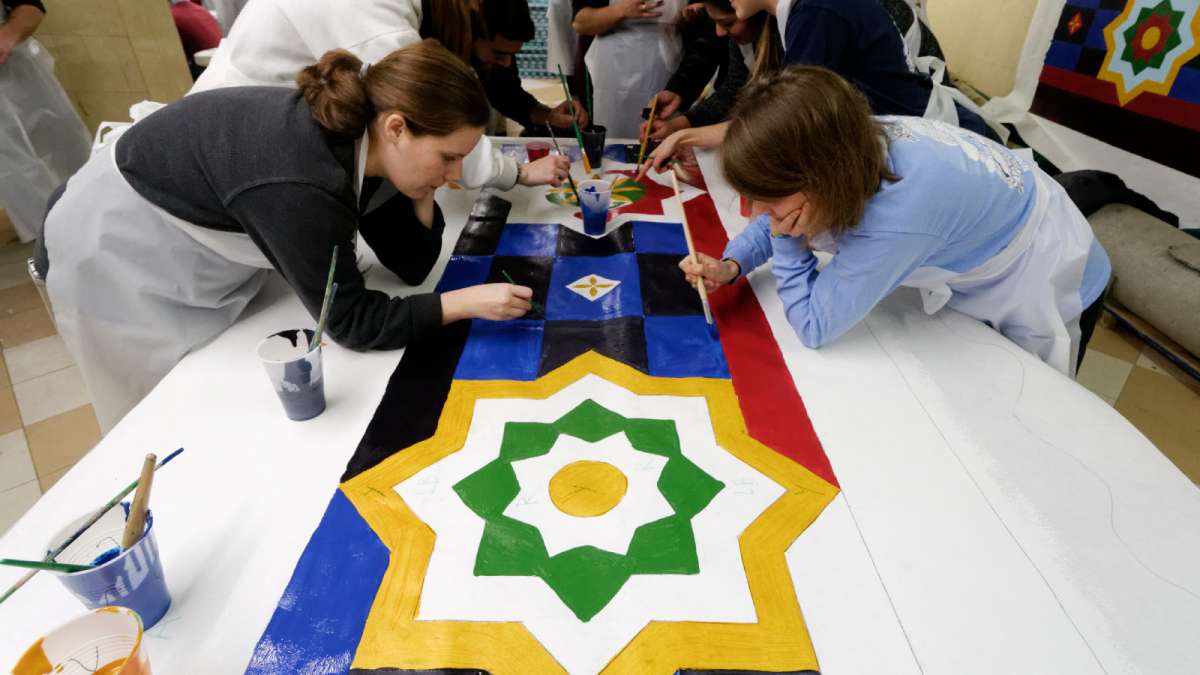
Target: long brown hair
805, 129
766, 53
448, 22
435, 91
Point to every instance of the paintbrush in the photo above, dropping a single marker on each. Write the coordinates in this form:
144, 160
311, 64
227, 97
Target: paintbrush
574, 190
646, 133
135, 522
326, 302
43, 565
687, 234
50, 556
534, 305
587, 166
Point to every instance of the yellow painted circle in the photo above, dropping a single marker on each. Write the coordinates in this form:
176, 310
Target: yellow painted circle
1151, 37
586, 489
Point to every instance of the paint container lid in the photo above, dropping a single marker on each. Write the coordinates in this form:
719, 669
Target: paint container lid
107, 640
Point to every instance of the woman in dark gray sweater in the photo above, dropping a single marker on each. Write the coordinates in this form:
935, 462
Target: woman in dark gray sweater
159, 243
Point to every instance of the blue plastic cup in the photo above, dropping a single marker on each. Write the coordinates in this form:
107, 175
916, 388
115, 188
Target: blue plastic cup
295, 371
132, 578
595, 197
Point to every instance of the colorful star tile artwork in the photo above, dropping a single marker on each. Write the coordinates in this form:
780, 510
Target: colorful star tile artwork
608, 484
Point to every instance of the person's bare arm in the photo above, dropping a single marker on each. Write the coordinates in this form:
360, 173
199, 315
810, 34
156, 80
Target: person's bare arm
600, 20
22, 21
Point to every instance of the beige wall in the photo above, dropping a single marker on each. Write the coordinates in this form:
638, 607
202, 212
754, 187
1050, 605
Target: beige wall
110, 54
982, 39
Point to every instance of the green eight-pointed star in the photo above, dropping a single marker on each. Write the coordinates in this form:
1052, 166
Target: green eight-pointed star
587, 578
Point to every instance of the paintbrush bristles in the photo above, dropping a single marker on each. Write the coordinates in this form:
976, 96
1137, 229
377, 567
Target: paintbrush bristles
687, 235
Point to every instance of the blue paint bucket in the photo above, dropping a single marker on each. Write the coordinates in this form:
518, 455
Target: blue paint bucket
132, 579
595, 196
295, 372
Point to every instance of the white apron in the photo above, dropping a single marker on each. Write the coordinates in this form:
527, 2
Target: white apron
560, 37
1029, 291
631, 64
42, 139
134, 289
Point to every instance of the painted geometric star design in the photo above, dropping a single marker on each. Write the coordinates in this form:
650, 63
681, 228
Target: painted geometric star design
735, 609
593, 286
1148, 43
586, 577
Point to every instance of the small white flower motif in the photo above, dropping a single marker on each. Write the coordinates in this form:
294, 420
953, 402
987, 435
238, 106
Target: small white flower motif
998, 160
593, 286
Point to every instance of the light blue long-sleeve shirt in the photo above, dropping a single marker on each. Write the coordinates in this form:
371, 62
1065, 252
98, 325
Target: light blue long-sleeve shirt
959, 201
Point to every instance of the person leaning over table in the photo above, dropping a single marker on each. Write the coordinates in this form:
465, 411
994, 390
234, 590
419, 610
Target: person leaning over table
160, 241
902, 201
508, 27
272, 39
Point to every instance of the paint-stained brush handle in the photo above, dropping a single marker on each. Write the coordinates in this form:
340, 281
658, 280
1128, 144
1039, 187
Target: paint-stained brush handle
135, 523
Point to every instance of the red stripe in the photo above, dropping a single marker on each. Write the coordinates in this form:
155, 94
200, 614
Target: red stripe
1173, 110
775, 415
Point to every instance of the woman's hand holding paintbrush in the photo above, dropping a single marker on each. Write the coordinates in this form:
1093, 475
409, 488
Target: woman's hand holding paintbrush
676, 143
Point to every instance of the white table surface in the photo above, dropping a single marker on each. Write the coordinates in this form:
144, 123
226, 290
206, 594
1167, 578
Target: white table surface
996, 517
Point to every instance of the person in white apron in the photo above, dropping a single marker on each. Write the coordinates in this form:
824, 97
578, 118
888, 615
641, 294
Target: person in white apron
560, 37
273, 39
902, 201
42, 139
161, 240
637, 48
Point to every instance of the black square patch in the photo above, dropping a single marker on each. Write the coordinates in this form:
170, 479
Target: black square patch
533, 272
665, 290
572, 243
622, 339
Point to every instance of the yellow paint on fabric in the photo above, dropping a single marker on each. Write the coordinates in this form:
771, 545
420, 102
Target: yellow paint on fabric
393, 638
586, 489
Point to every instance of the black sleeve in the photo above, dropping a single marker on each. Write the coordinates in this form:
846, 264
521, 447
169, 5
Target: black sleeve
504, 91
719, 104
703, 53
400, 241
10, 5
577, 5
297, 226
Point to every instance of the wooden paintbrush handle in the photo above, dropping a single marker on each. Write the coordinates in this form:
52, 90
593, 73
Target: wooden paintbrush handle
136, 522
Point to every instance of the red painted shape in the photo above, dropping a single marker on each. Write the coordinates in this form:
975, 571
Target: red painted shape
775, 414
1173, 110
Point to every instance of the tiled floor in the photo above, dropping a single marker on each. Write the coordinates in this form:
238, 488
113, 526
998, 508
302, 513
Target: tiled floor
46, 419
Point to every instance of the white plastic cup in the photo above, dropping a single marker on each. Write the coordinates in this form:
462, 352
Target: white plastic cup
107, 640
133, 579
295, 372
595, 196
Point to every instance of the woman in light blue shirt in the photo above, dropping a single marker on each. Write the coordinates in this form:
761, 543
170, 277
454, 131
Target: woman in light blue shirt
902, 201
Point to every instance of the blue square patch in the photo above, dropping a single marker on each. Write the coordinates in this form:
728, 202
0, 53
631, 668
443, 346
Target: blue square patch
593, 288
650, 237
501, 350
528, 239
464, 270
684, 346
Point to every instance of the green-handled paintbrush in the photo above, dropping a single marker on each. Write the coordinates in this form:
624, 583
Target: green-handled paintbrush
326, 302
587, 166
50, 556
43, 565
